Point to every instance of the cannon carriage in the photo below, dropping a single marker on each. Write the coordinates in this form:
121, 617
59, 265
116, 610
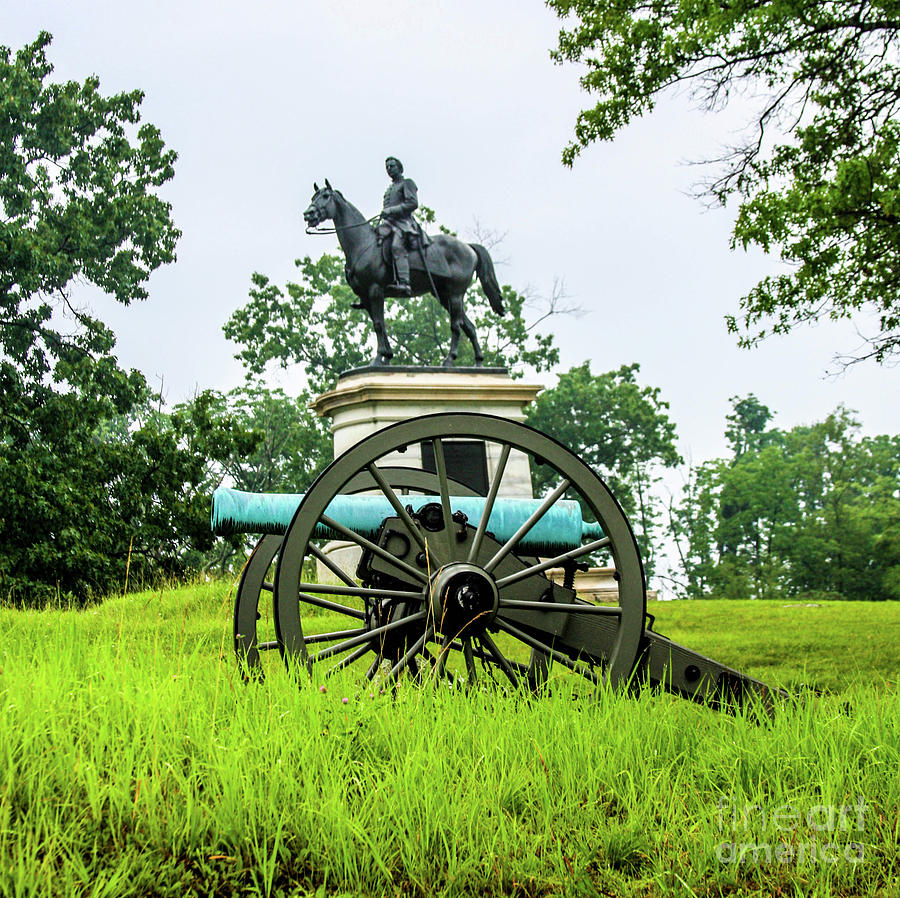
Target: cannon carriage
449, 585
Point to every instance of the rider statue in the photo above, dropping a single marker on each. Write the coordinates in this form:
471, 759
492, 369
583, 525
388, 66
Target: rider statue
400, 201
445, 269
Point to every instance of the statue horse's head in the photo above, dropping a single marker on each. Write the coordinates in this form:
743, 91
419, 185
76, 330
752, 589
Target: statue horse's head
321, 206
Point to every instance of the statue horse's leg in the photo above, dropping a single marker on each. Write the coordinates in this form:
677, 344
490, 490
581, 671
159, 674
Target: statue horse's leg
384, 353
469, 330
459, 322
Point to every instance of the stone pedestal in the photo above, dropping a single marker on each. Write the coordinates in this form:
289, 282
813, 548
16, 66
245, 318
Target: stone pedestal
369, 399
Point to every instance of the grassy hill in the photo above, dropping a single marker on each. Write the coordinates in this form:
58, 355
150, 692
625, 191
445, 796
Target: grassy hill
828, 645
135, 761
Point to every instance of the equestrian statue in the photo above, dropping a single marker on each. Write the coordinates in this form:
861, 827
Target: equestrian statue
396, 258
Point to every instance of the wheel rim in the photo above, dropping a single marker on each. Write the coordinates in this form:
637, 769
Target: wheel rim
415, 609
246, 602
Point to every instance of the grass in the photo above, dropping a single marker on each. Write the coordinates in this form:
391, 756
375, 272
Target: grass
828, 645
135, 761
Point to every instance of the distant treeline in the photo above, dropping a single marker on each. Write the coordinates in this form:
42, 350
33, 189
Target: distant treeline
813, 511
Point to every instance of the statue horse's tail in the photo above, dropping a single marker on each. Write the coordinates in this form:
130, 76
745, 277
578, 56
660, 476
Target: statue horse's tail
485, 271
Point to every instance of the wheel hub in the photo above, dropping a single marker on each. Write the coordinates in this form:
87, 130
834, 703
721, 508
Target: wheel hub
464, 600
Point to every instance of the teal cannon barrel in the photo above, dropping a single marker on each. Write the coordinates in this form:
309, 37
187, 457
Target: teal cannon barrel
559, 530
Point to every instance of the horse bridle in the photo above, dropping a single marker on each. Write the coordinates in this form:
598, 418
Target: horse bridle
326, 231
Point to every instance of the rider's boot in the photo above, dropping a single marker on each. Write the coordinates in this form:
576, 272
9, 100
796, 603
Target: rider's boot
401, 288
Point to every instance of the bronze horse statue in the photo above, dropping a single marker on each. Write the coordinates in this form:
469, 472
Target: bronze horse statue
451, 263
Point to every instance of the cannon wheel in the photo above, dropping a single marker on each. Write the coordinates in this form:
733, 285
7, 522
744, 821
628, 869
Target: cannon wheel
253, 582
459, 565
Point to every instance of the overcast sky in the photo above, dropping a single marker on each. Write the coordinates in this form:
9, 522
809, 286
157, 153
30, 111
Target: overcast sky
259, 100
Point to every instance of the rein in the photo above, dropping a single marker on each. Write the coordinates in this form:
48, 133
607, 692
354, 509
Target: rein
325, 231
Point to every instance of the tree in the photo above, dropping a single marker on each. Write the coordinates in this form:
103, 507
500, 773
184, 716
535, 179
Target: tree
745, 428
621, 429
754, 495
817, 174
813, 511
757, 517
78, 202
292, 446
98, 499
79, 177
692, 524
170, 464
311, 323
850, 489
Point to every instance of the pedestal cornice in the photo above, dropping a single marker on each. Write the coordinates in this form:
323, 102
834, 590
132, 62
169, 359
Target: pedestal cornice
472, 387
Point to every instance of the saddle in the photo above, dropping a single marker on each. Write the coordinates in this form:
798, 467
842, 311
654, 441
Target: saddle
434, 257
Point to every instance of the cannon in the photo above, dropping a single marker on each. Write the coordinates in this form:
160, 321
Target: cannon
441, 572
561, 528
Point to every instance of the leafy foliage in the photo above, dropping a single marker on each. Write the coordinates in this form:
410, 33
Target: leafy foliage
98, 499
98, 483
621, 429
811, 511
289, 453
290, 446
78, 201
819, 168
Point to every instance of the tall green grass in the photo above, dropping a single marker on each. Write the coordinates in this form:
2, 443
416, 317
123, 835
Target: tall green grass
135, 761
826, 645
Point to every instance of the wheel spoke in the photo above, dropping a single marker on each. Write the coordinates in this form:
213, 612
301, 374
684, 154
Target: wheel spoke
434, 662
330, 637
402, 513
367, 636
489, 504
456, 646
372, 547
478, 652
471, 670
491, 646
521, 605
346, 662
443, 484
553, 562
319, 555
400, 666
331, 606
511, 543
442, 656
332, 589
547, 650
